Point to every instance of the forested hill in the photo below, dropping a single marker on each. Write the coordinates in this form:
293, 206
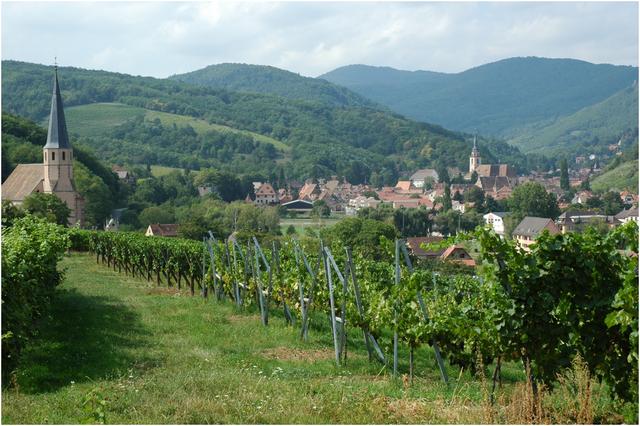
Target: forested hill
590, 130
321, 139
494, 99
270, 80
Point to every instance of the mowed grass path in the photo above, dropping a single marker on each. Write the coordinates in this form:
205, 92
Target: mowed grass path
119, 349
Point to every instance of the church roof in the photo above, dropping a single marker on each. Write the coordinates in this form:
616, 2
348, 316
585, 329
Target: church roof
22, 182
57, 136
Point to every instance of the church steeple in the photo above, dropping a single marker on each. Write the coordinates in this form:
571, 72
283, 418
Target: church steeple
57, 136
474, 160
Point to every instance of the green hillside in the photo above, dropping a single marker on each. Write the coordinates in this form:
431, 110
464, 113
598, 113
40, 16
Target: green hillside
101, 118
495, 98
275, 81
623, 177
351, 141
587, 131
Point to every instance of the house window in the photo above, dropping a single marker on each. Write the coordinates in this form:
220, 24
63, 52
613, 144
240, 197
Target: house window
53, 156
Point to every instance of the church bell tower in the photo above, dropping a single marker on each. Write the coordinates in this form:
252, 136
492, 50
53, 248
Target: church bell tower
474, 160
58, 159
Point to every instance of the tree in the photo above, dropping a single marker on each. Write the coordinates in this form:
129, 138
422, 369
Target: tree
564, 175
320, 209
531, 199
363, 234
443, 174
47, 206
612, 203
156, 214
446, 198
475, 195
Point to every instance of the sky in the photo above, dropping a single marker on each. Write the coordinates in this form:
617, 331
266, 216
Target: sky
160, 39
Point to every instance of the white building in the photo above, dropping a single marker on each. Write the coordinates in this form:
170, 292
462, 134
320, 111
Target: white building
422, 176
360, 202
496, 221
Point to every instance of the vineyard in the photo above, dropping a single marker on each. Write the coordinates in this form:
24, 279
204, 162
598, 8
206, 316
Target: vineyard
574, 294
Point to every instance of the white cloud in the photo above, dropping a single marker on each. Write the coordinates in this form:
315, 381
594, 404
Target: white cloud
311, 38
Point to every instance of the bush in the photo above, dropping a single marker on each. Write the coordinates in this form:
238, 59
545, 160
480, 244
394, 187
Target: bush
31, 248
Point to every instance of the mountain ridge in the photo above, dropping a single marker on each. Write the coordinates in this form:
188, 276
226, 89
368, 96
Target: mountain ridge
491, 98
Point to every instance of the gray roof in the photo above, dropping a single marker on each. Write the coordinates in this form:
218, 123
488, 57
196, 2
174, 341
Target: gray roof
531, 226
501, 214
423, 174
57, 136
632, 212
21, 183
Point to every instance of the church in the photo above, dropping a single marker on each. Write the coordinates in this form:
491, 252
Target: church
487, 170
55, 174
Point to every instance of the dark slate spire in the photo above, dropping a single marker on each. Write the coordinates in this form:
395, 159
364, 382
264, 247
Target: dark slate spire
57, 136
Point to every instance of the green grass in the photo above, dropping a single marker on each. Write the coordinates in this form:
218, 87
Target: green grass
99, 119
159, 171
625, 176
301, 224
120, 350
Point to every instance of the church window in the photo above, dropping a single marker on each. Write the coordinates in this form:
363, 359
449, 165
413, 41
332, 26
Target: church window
63, 155
53, 156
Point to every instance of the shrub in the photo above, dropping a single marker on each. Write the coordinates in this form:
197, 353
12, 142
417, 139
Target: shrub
31, 248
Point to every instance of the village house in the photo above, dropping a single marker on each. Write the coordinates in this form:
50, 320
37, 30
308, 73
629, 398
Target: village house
55, 174
530, 228
495, 220
458, 254
423, 176
629, 198
414, 244
581, 197
124, 175
265, 195
162, 230
628, 215
578, 220
360, 202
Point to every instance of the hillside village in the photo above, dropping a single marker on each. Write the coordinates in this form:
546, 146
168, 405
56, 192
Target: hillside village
482, 192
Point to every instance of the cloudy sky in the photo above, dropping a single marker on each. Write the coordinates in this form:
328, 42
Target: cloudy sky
164, 38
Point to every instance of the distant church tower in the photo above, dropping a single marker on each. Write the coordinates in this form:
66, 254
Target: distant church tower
474, 160
58, 159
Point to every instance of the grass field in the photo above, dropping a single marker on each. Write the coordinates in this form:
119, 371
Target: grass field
159, 171
99, 118
120, 350
301, 224
625, 176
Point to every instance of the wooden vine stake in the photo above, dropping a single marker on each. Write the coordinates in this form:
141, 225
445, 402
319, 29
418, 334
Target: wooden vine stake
328, 274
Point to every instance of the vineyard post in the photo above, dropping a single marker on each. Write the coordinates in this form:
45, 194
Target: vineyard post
264, 303
232, 271
257, 280
331, 303
343, 320
212, 259
276, 259
436, 348
303, 310
356, 290
314, 278
395, 312
204, 262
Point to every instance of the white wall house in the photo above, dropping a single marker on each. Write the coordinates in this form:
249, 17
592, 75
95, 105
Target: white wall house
496, 221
